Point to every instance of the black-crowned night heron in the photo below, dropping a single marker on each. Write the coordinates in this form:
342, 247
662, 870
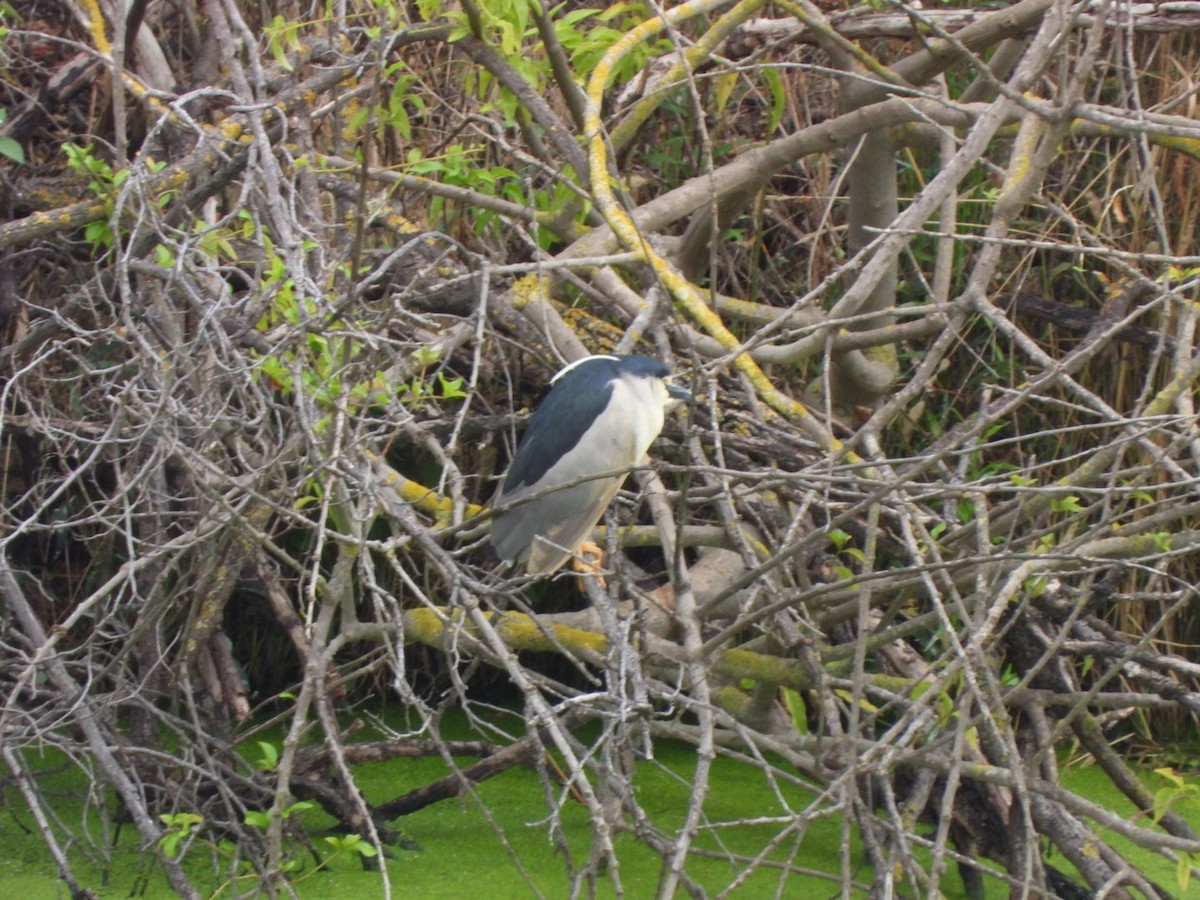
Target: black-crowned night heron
597, 422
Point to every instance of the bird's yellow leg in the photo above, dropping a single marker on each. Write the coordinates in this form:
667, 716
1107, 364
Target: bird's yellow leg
589, 560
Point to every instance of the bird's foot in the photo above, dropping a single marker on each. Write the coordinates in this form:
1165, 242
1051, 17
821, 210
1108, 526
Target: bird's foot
589, 560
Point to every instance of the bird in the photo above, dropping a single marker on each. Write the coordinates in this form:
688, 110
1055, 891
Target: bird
597, 422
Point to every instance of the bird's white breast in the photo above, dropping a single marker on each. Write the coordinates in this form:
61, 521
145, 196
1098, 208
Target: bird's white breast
620, 436
649, 397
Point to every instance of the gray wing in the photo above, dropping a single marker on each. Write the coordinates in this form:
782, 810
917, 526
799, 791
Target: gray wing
546, 531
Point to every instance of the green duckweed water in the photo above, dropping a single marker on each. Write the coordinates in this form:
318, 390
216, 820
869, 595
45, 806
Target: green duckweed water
463, 854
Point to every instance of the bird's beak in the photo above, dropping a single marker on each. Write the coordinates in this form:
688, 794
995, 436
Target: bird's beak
679, 392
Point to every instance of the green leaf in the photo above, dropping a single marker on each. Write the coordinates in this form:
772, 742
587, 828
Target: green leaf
724, 90
839, 538
11, 149
430, 9
268, 755
573, 18
276, 33
352, 843
169, 844
181, 826
426, 356
965, 510
797, 711
778, 98
1171, 775
258, 819
298, 806
1070, 503
450, 388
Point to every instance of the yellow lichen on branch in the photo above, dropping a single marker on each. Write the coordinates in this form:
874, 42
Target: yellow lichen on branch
686, 295
96, 25
435, 627
693, 55
418, 495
